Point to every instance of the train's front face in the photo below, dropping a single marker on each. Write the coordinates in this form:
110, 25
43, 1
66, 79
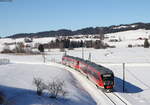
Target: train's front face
108, 80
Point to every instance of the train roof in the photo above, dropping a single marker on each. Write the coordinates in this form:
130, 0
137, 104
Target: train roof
101, 69
77, 58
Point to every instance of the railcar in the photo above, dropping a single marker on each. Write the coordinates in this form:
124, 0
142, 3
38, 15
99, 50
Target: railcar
100, 75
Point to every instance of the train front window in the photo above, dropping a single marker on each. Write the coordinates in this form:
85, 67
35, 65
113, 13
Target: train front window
108, 79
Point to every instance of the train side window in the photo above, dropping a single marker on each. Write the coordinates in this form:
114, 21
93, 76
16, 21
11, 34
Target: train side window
92, 73
89, 71
77, 62
96, 76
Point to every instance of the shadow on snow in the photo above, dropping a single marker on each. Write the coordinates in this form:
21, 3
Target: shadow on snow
129, 87
19, 96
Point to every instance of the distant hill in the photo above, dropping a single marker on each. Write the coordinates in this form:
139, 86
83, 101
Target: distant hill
85, 31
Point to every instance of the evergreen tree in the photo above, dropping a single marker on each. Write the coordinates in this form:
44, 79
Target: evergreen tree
41, 48
71, 46
81, 44
146, 43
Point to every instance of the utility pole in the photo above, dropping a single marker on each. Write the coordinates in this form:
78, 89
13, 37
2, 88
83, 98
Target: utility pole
44, 58
82, 52
65, 53
89, 56
123, 77
15, 45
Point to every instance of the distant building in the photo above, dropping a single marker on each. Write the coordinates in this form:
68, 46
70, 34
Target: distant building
28, 40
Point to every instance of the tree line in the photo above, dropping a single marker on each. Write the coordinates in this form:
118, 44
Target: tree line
67, 43
85, 31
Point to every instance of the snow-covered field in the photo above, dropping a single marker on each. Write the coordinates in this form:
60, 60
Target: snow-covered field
16, 78
137, 63
16, 82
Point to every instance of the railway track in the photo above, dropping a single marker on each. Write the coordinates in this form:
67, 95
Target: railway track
114, 99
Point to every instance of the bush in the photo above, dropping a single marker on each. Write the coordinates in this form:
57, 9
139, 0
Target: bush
70, 48
30, 51
19, 48
62, 50
130, 45
146, 43
98, 44
55, 89
113, 46
38, 82
6, 49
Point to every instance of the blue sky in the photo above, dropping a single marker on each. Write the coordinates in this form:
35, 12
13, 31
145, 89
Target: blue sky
25, 16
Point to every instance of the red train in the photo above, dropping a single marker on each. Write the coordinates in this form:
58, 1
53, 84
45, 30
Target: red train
101, 76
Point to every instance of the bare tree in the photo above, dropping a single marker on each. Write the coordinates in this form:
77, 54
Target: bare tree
19, 48
38, 82
101, 33
61, 46
6, 49
146, 43
55, 89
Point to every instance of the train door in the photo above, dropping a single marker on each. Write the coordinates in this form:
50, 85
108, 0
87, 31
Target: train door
101, 84
77, 65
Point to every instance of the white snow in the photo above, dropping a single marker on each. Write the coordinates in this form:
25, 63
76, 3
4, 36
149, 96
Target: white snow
16, 77
128, 37
120, 27
123, 26
16, 83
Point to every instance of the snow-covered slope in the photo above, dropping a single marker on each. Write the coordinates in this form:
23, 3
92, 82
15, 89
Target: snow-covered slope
16, 83
133, 37
130, 35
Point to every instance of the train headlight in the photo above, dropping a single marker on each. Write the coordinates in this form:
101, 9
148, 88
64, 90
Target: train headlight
105, 83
